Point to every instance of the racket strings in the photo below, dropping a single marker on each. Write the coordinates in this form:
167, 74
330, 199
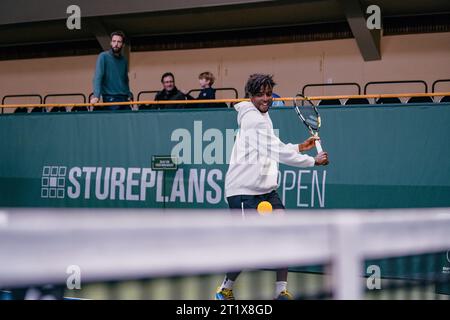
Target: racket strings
308, 112
310, 115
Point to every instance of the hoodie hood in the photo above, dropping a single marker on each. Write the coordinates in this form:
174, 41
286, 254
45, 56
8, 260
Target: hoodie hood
243, 108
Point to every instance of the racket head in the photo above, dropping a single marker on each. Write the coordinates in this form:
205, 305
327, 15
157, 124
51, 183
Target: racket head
308, 113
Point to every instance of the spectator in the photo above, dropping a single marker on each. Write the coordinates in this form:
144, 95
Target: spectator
169, 92
206, 80
278, 103
111, 75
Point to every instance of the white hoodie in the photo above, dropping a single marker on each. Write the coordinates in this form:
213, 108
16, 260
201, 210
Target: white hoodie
256, 153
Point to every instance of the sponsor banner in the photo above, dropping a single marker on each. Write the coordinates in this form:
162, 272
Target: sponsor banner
380, 157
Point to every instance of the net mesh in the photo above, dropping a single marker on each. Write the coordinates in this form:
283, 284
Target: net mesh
152, 254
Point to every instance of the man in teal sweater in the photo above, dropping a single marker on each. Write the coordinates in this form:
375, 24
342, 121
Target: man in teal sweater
111, 75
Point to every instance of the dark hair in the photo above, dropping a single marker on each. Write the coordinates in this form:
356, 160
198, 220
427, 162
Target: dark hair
118, 33
256, 81
208, 76
167, 74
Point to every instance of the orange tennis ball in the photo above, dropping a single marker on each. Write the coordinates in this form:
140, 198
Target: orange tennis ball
264, 207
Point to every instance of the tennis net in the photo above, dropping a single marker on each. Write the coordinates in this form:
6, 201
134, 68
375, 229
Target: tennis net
183, 254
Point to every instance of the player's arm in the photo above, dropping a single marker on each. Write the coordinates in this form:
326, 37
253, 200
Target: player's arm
262, 138
308, 144
321, 159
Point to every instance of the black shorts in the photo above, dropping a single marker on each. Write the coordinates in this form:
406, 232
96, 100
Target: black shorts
252, 201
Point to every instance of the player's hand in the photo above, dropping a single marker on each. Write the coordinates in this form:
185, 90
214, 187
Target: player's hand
94, 100
308, 144
321, 159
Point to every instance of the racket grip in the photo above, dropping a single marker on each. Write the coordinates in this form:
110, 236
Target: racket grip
318, 146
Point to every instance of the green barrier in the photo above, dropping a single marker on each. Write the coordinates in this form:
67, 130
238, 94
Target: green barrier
381, 157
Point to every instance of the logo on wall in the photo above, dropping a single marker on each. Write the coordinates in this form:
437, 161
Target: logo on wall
53, 182
188, 185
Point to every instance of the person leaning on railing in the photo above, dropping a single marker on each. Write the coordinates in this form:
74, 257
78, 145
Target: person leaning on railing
111, 80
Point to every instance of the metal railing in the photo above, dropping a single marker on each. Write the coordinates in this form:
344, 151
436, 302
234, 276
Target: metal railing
58, 109
35, 95
286, 99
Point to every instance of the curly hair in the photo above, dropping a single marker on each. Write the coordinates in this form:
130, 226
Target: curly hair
256, 81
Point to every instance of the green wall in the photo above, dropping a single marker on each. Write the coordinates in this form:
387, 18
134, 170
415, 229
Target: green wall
380, 157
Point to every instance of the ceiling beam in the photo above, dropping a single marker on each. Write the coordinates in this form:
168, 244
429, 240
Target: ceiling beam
101, 33
368, 40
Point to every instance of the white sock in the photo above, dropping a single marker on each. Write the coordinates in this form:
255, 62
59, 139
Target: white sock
280, 286
227, 283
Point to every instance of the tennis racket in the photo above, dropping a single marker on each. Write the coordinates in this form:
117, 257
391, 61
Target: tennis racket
307, 112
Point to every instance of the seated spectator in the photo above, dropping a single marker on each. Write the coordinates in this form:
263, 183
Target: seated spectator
21, 110
169, 92
278, 103
206, 80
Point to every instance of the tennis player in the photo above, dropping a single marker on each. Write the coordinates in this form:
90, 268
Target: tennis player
253, 171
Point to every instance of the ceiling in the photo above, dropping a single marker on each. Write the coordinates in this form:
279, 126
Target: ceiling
26, 23
36, 28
